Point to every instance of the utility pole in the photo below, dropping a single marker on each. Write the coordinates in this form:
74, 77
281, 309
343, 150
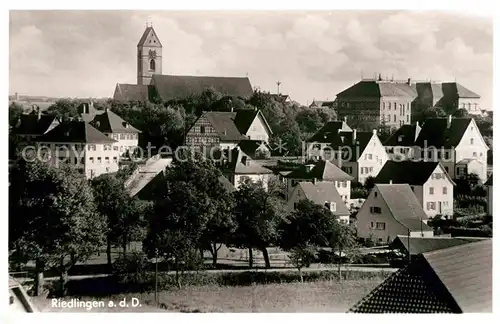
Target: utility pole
156, 276
278, 83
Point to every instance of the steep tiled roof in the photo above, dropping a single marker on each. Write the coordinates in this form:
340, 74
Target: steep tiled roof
236, 164
411, 172
233, 126
330, 132
145, 36
321, 192
404, 206
376, 89
352, 152
322, 170
404, 136
457, 90
466, 271
131, 92
109, 122
30, 124
435, 132
75, 132
417, 245
249, 147
451, 280
171, 87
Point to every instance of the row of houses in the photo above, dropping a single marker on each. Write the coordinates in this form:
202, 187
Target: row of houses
94, 144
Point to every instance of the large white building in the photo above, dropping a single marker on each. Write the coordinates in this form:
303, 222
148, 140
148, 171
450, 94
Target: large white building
80, 145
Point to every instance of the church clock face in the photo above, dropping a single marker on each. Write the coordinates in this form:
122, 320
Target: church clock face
152, 54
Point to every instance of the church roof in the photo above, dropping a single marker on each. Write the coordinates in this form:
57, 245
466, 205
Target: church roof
169, 87
131, 92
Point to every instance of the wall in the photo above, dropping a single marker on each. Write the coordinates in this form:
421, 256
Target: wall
395, 106
344, 192
478, 150
143, 73
438, 196
257, 130
365, 218
94, 168
473, 105
195, 138
126, 141
359, 111
378, 159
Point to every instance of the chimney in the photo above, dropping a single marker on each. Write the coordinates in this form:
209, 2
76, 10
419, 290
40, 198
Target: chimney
17, 96
354, 133
374, 132
309, 167
390, 182
418, 124
38, 113
448, 122
409, 81
313, 180
345, 119
232, 109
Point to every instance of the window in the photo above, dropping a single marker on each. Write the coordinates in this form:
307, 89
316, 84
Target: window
389, 106
202, 129
474, 154
394, 118
445, 190
371, 224
331, 205
375, 210
106, 159
92, 147
76, 160
471, 141
429, 154
369, 156
431, 205
344, 184
371, 169
115, 148
122, 136
380, 226
91, 159
115, 158
481, 154
383, 105
446, 155
361, 170
439, 155
375, 194
407, 118
431, 190
152, 65
107, 147
99, 159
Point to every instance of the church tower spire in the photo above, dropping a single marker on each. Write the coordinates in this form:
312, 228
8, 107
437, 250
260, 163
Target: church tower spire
149, 56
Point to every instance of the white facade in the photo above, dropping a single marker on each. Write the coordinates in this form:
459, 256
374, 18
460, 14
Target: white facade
437, 194
372, 159
90, 160
125, 141
473, 146
258, 130
238, 178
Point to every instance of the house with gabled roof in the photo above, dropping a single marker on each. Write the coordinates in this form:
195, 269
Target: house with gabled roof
240, 168
429, 181
457, 279
321, 193
359, 154
80, 145
226, 129
456, 142
321, 171
331, 133
391, 210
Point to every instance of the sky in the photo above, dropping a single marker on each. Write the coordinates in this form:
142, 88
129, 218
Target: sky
314, 54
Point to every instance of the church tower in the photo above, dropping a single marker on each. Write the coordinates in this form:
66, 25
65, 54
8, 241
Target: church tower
148, 56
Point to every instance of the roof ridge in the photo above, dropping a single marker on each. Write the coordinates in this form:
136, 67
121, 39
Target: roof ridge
452, 248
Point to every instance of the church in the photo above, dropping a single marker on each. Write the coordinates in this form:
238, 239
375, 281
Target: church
152, 84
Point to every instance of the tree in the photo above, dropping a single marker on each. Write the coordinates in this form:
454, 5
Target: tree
15, 112
52, 218
461, 113
215, 214
344, 245
309, 227
124, 215
257, 215
369, 183
64, 109
276, 187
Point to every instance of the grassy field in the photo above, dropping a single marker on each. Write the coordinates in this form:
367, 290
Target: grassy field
320, 296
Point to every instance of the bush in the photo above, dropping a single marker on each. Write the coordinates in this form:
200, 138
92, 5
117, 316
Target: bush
359, 192
482, 231
131, 268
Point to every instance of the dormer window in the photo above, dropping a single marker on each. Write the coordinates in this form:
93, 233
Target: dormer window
400, 138
244, 160
331, 206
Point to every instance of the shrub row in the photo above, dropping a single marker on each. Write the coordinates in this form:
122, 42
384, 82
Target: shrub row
482, 231
112, 285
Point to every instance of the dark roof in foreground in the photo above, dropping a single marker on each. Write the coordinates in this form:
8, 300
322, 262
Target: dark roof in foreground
330, 132
418, 245
404, 206
76, 132
406, 135
410, 172
170, 87
435, 132
452, 280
